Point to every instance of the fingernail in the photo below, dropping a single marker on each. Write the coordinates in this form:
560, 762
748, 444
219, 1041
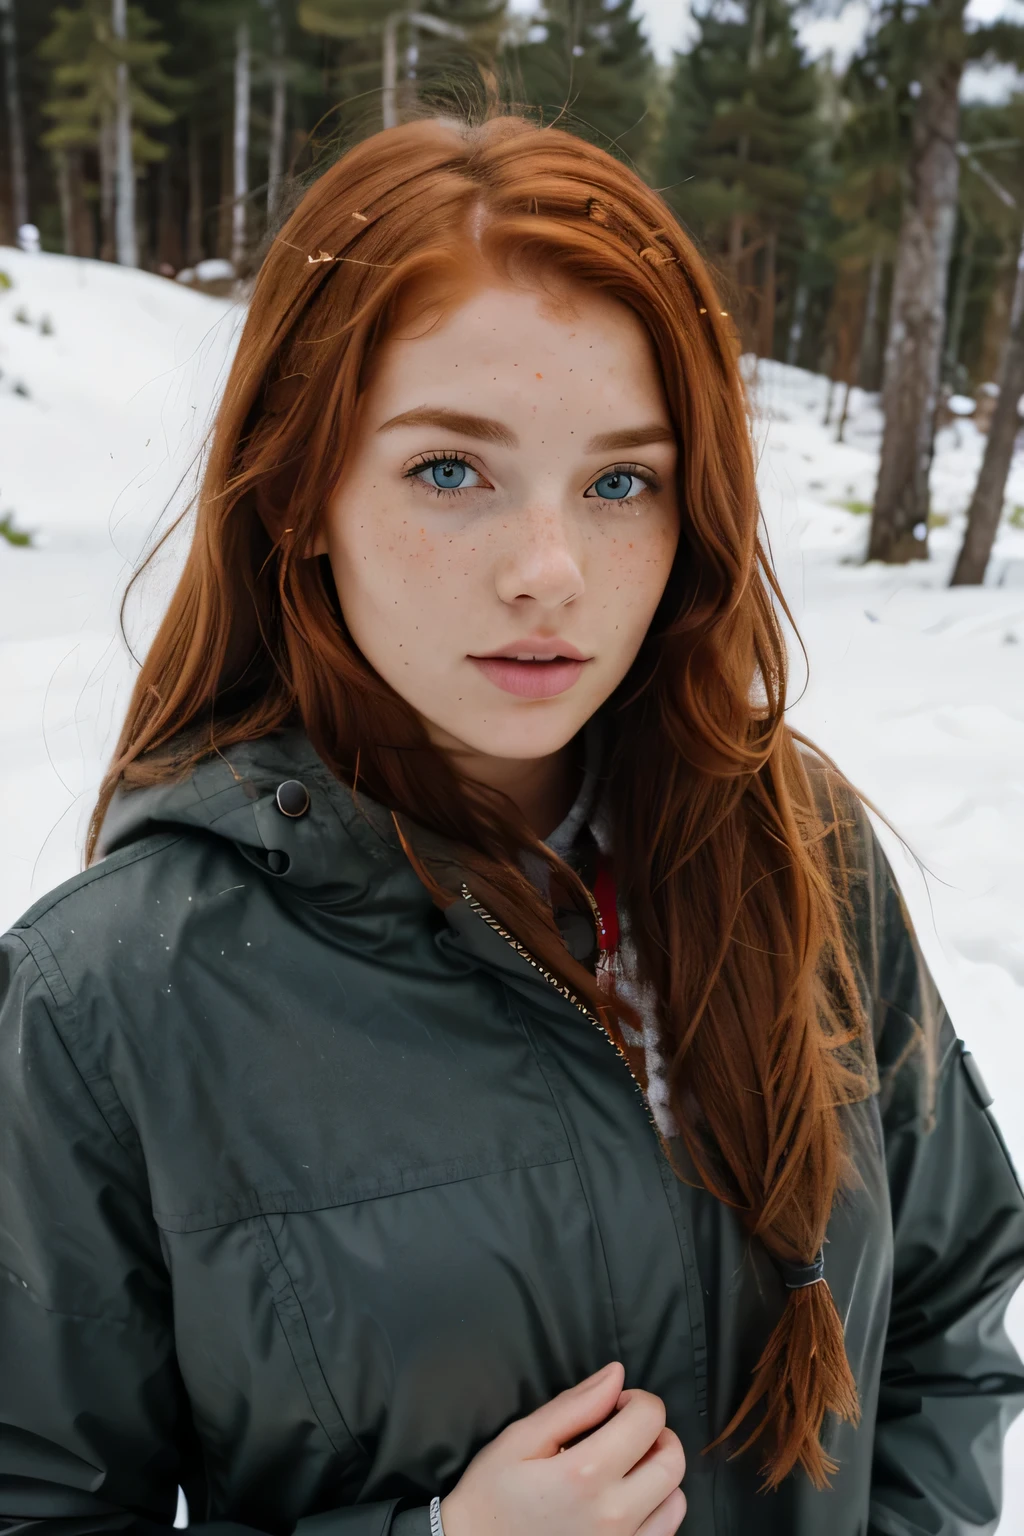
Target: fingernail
600, 1375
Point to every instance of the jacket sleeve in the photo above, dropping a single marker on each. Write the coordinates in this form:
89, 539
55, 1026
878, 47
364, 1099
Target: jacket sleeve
951, 1380
95, 1429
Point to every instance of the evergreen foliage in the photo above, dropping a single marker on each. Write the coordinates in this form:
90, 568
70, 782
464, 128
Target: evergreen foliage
791, 177
84, 54
426, 57
741, 153
587, 63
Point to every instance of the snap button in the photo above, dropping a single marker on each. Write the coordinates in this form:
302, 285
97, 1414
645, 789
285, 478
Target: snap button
292, 798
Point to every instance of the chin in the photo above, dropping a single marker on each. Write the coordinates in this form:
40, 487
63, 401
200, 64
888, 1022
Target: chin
520, 734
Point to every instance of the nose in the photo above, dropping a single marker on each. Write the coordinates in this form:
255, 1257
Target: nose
541, 560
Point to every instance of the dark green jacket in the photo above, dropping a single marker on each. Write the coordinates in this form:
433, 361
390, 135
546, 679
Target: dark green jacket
308, 1189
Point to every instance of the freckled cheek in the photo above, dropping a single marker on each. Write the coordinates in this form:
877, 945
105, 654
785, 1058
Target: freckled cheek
636, 569
411, 579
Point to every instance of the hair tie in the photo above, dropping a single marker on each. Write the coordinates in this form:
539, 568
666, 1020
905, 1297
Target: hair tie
796, 1276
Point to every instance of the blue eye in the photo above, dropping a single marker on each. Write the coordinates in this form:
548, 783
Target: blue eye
614, 487
448, 474
445, 473
619, 485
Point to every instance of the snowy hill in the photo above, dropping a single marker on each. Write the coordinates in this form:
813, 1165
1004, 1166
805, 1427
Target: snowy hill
107, 382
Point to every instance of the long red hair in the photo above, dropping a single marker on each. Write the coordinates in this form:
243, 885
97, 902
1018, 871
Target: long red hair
721, 854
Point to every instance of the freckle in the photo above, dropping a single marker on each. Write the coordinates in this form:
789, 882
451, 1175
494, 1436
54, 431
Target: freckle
538, 375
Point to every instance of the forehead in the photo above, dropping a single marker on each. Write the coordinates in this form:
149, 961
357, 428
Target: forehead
502, 333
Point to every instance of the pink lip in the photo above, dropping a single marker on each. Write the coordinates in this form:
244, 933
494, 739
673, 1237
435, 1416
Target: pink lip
530, 679
537, 645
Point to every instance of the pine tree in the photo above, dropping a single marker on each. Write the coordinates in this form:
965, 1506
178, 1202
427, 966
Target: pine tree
235, 40
278, 114
413, 39
941, 46
124, 161
739, 150
590, 64
899, 521
991, 205
85, 54
986, 506
15, 117
870, 151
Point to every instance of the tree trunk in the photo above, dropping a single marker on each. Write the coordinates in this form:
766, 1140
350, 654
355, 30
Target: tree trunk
844, 411
127, 244
15, 123
737, 254
766, 346
194, 221
225, 204
407, 89
169, 251
796, 328
278, 105
107, 150
67, 207
867, 366
997, 317
986, 506
389, 70
899, 521
960, 292
243, 88
83, 218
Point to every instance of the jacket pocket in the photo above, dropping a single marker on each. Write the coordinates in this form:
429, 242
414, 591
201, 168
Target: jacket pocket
296, 1331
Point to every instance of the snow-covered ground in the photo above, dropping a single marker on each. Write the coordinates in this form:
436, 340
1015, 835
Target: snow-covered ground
107, 383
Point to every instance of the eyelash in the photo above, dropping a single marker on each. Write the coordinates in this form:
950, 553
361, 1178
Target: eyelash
650, 481
428, 460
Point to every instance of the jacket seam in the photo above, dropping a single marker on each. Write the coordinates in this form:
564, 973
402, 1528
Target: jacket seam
105, 866
47, 967
185, 1223
38, 949
267, 1243
572, 1139
692, 1282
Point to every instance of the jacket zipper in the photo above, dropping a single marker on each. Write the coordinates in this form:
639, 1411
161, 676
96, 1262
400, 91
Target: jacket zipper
566, 992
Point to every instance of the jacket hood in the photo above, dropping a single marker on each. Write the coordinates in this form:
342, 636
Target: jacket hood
277, 804
280, 806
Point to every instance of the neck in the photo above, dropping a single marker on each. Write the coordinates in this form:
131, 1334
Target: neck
542, 788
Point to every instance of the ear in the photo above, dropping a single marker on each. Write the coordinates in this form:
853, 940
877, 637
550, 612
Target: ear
319, 545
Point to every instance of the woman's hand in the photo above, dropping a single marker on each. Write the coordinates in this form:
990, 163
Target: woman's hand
621, 1480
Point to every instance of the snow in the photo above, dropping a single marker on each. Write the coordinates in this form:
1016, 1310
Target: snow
916, 690
118, 397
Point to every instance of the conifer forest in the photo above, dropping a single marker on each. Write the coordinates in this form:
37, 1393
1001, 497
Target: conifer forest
865, 223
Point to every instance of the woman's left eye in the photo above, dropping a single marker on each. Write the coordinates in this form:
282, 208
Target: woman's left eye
447, 474
620, 484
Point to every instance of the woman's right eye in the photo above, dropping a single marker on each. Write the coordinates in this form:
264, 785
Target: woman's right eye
447, 474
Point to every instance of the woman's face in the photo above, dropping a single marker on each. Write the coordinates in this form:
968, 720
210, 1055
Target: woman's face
510, 488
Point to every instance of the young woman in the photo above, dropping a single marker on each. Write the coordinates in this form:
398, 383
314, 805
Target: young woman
486, 1077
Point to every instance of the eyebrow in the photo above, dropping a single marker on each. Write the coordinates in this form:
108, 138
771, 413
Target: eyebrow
630, 437
487, 430
481, 427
